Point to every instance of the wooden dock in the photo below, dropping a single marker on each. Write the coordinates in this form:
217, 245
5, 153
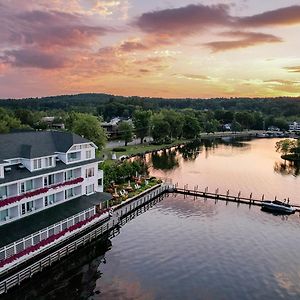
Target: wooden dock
225, 197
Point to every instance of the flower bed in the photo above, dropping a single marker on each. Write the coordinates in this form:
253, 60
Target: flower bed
50, 239
44, 190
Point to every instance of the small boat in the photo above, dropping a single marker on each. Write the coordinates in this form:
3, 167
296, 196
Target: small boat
278, 207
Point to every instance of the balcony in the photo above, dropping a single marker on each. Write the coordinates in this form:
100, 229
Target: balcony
39, 191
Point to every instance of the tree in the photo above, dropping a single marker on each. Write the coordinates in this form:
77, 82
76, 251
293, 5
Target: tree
191, 127
160, 128
235, 126
285, 146
212, 126
126, 131
8, 121
141, 121
89, 127
175, 121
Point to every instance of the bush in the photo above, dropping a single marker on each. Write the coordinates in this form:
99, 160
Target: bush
119, 149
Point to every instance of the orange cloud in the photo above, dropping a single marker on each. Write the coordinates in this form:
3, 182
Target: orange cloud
294, 69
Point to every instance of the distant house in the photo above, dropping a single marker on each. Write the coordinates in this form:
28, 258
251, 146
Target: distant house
112, 126
53, 122
227, 127
294, 126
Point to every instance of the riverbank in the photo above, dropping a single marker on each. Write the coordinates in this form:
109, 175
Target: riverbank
141, 149
291, 157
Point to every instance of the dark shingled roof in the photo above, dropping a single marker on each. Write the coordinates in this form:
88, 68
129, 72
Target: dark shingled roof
34, 144
25, 226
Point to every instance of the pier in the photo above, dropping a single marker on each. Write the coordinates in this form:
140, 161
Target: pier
195, 192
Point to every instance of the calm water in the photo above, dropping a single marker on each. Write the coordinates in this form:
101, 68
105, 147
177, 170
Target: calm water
194, 249
247, 166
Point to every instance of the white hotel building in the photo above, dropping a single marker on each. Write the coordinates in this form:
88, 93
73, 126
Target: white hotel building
47, 178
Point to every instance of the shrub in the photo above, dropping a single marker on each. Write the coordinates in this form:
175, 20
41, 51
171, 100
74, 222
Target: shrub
119, 149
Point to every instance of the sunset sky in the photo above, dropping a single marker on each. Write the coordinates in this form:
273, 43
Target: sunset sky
164, 48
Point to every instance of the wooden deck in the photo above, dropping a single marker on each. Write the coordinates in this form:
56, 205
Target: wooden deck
226, 197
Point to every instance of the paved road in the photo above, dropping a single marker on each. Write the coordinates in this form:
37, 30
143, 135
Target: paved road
114, 144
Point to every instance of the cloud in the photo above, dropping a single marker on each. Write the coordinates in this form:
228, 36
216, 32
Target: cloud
294, 69
282, 82
244, 40
184, 20
128, 46
34, 59
193, 76
282, 16
49, 29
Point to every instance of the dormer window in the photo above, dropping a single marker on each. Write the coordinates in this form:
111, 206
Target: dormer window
37, 164
74, 156
48, 162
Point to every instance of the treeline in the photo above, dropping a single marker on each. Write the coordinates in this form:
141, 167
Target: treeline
110, 106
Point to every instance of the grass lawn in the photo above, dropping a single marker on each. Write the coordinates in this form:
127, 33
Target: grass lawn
140, 148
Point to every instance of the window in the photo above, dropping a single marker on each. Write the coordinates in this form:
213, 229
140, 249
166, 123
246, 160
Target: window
49, 199
3, 192
49, 180
37, 164
26, 186
48, 162
69, 175
4, 215
88, 154
27, 207
89, 172
100, 181
69, 193
89, 189
73, 156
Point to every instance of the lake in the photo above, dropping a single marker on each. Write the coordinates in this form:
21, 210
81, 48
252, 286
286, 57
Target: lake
186, 248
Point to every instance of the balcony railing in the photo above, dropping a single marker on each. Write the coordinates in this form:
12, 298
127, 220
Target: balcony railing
43, 190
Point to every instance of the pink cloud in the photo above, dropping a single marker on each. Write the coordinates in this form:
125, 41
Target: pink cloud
244, 40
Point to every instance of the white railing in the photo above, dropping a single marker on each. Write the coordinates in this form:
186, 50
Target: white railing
33, 239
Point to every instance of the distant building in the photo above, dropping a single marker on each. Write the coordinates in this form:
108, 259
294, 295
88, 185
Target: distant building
112, 126
273, 128
227, 127
53, 122
294, 126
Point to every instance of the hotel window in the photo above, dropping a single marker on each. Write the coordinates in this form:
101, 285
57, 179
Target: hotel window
49, 180
48, 162
37, 164
89, 172
89, 189
26, 186
73, 156
3, 192
69, 193
69, 175
49, 199
88, 154
4, 215
27, 207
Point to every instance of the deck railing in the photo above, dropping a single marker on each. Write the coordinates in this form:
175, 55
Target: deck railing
33, 239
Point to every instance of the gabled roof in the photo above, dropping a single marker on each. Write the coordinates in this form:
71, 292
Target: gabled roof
33, 144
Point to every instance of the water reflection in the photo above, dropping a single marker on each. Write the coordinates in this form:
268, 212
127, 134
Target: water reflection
72, 278
164, 160
169, 159
287, 168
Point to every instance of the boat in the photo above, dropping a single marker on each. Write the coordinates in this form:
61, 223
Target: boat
278, 207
